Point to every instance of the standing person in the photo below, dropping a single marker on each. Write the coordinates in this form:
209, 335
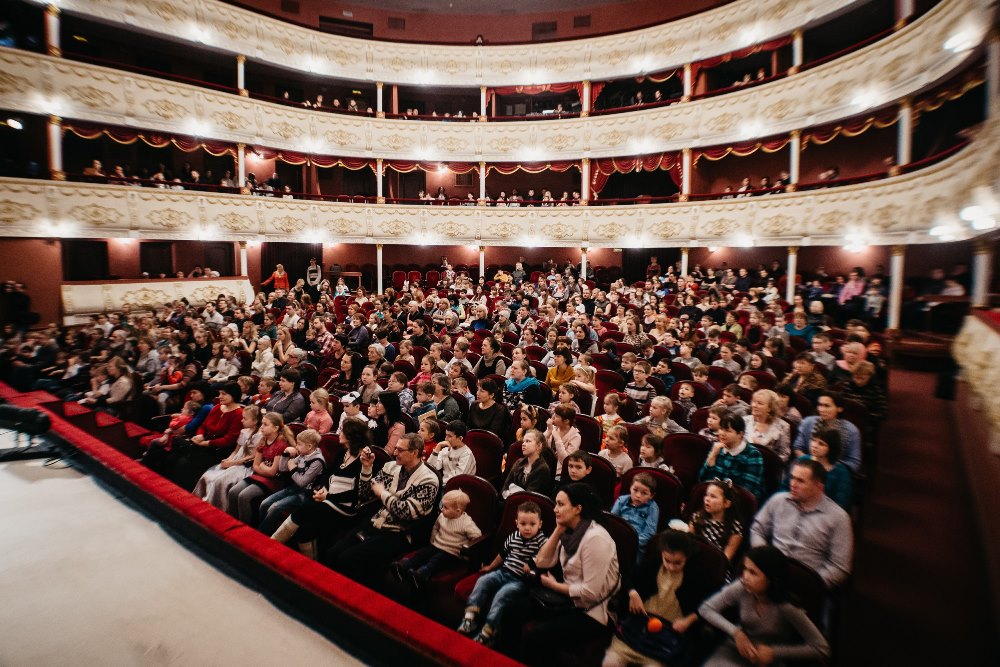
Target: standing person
314, 275
279, 279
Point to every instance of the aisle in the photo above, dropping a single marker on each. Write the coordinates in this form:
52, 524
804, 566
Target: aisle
86, 580
915, 597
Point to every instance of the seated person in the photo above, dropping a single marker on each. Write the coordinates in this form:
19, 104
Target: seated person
451, 456
452, 532
616, 450
530, 472
639, 509
732, 457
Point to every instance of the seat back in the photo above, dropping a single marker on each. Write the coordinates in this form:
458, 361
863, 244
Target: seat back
719, 377
669, 492
406, 367
680, 371
635, 435
590, 433
807, 590
508, 517
626, 542
482, 506
698, 420
703, 396
774, 469
686, 453
600, 360
764, 379
602, 479
744, 502
487, 449
535, 352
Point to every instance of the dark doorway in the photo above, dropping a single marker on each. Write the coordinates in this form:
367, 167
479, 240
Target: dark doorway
219, 256
157, 257
635, 261
84, 260
293, 256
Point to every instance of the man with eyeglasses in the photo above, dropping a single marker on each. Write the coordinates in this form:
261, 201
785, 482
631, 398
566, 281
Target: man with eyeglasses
407, 490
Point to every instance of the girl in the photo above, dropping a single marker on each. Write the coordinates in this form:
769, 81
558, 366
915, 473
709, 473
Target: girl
529, 421
565, 396
386, 422
583, 379
610, 418
319, 418
245, 496
214, 485
304, 464
530, 472
341, 289
769, 627
397, 383
650, 452
213, 363
406, 352
516, 354
431, 434
717, 521
711, 431
616, 452
426, 371
369, 386
263, 364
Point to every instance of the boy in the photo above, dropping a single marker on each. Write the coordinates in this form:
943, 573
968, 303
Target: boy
424, 400
685, 399
453, 531
627, 364
700, 375
305, 464
821, 344
748, 382
732, 457
616, 452
639, 509
639, 390
507, 575
663, 374
578, 468
686, 355
726, 353
177, 424
461, 385
352, 409
451, 457
731, 401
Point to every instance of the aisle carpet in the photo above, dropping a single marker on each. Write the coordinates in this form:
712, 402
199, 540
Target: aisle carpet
916, 597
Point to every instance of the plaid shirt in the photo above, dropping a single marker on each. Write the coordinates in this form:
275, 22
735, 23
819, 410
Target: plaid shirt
746, 469
325, 343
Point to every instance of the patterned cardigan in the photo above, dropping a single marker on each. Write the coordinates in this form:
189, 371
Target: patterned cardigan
406, 505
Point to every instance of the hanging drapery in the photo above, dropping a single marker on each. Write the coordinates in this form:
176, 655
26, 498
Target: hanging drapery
508, 168
406, 166
658, 77
128, 136
601, 170
325, 161
708, 63
852, 127
742, 149
536, 90
935, 99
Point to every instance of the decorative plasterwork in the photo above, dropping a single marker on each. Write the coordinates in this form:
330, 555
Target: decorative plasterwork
892, 211
666, 46
977, 351
824, 94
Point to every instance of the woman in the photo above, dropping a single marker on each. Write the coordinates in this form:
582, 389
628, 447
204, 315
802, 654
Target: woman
288, 402
204, 342
490, 363
351, 365
582, 342
148, 363
770, 628
634, 335
282, 346
765, 428
825, 447
279, 279
248, 337
562, 371
386, 421
668, 584
578, 539
336, 504
486, 413
660, 329
216, 437
447, 407
245, 497
522, 388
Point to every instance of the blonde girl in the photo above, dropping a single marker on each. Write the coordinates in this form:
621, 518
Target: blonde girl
215, 484
319, 417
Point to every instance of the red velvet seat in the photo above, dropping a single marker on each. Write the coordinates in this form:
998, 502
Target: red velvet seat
720, 377
590, 433
774, 469
680, 371
764, 379
686, 453
669, 492
405, 367
487, 448
602, 478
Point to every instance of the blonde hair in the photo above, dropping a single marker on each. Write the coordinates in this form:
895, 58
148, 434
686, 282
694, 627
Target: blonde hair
619, 432
663, 401
458, 497
310, 436
279, 423
321, 396
773, 404
588, 373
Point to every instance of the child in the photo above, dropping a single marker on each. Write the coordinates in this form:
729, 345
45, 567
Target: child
725, 360
453, 530
579, 465
659, 416
214, 485
748, 382
431, 433
406, 352
566, 396
639, 509
639, 390
663, 374
264, 390
731, 401
397, 383
716, 522
530, 472
461, 385
246, 389
507, 575
686, 356
711, 430
685, 399
451, 457
352, 409
425, 374
304, 461
700, 375
617, 450
627, 364
529, 420
424, 402
650, 453
319, 418
610, 417
177, 424
561, 436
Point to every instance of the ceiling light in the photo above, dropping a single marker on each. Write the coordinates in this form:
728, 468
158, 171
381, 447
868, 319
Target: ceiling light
15, 124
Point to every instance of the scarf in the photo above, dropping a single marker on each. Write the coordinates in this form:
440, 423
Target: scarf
518, 387
571, 539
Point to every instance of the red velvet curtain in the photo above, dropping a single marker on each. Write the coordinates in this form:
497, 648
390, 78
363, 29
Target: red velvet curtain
536, 90
852, 127
742, 149
126, 136
601, 170
508, 168
708, 63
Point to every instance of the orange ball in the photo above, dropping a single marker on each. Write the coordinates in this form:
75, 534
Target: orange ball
654, 625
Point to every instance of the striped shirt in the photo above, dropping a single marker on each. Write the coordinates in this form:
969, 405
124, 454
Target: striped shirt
518, 552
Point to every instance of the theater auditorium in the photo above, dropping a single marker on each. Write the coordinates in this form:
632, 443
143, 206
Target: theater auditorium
584, 332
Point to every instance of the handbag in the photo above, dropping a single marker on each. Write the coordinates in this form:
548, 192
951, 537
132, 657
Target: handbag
664, 646
550, 601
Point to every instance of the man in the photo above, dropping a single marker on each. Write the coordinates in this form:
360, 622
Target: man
808, 526
406, 489
291, 316
212, 317
325, 342
733, 458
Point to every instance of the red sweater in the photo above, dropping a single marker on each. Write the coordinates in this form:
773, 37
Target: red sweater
222, 429
280, 282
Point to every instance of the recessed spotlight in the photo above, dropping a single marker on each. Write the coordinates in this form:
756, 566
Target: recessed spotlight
15, 124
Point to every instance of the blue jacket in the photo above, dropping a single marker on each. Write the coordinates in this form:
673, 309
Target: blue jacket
643, 518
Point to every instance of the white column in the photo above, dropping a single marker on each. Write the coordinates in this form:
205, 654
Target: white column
791, 268
993, 75
585, 102
686, 166
379, 177
241, 74
585, 181
583, 263
241, 164
982, 272
482, 260
794, 157
904, 134
243, 258
796, 51
896, 268
379, 108
54, 130
482, 181
904, 10
688, 83
378, 268
52, 30
482, 101
684, 260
